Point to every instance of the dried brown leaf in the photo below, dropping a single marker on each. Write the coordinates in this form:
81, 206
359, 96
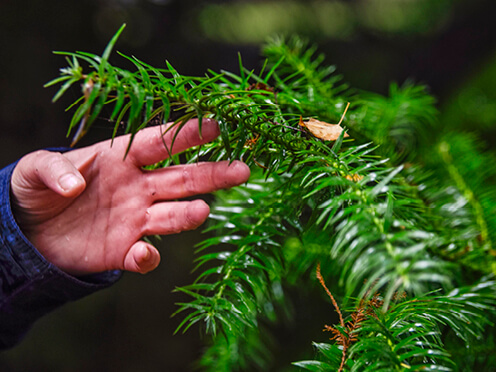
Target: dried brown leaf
323, 130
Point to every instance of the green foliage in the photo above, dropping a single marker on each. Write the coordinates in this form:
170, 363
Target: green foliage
408, 217
408, 336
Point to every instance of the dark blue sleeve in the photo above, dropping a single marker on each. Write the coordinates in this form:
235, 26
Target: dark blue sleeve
30, 286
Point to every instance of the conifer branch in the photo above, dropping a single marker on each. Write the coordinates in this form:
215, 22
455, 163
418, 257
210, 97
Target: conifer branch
383, 226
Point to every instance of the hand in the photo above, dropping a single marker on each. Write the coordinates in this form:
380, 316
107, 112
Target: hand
87, 209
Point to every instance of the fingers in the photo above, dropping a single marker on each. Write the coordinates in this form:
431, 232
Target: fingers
163, 219
174, 217
151, 145
187, 180
141, 258
48, 169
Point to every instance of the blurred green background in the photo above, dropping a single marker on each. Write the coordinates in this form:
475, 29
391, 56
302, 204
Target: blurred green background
450, 45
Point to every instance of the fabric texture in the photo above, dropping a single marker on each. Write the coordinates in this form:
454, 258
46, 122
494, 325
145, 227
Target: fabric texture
30, 286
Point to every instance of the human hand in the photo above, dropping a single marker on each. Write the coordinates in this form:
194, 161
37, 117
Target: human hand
86, 210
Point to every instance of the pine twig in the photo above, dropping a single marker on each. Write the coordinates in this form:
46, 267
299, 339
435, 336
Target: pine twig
335, 304
342, 339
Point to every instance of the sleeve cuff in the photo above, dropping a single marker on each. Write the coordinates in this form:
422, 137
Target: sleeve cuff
30, 286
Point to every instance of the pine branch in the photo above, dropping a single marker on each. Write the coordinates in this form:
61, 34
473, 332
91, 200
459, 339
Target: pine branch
408, 335
381, 227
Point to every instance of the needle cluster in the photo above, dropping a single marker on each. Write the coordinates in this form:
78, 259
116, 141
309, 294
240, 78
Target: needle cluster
398, 206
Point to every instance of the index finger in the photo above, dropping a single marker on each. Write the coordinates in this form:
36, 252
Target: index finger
151, 145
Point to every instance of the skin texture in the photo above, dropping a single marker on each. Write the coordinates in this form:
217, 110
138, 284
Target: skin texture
87, 210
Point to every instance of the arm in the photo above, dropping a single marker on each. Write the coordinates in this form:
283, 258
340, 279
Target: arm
30, 285
86, 211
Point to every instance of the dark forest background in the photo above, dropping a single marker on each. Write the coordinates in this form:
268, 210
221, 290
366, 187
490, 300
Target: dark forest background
449, 45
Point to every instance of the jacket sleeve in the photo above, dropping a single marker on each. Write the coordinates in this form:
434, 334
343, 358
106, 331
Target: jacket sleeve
30, 286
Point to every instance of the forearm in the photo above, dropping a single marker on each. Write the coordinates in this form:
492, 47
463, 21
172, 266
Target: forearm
30, 286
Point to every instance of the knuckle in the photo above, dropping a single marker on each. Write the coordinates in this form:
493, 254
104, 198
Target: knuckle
47, 161
218, 175
175, 222
39, 157
146, 222
189, 178
149, 184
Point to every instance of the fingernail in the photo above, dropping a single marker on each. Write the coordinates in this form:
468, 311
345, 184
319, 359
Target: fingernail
146, 253
68, 181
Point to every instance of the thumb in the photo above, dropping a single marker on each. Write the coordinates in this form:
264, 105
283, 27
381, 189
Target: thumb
44, 169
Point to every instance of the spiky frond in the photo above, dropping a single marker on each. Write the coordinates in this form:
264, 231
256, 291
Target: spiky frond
376, 225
